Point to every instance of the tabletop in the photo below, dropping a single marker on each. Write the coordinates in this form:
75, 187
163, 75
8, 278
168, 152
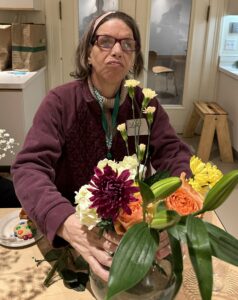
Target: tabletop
22, 279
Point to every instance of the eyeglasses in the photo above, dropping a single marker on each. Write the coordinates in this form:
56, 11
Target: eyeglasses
107, 42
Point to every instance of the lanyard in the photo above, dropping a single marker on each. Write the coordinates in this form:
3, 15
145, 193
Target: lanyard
108, 131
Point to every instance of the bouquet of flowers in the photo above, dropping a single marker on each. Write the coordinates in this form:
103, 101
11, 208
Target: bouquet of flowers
119, 198
6, 143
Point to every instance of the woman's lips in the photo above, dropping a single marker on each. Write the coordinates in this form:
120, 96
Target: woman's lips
115, 63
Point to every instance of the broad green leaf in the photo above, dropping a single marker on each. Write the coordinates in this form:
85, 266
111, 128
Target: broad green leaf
164, 219
53, 254
69, 276
74, 280
48, 280
179, 232
223, 245
146, 193
220, 192
80, 263
132, 259
177, 261
58, 265
200, 255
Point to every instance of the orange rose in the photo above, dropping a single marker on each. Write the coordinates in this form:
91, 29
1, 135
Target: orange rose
125, 221
185, 200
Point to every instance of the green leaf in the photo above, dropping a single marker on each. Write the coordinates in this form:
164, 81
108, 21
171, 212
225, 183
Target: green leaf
50, 275
132, 259
164, 219
223, 245
177, 261
74, 280
58, 265
69, 276
80, 263
53, 254
179, 232
200, 255
219, 192
156, 177
146, 193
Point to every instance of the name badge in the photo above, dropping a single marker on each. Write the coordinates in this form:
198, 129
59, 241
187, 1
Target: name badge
137, 127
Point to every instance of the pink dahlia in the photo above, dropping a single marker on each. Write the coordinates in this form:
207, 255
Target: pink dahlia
111, 192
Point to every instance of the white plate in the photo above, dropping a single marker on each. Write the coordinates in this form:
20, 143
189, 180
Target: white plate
7, 224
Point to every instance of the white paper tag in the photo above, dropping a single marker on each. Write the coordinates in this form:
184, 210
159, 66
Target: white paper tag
135, 125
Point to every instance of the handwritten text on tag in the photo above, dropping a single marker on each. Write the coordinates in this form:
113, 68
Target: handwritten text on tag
136, 127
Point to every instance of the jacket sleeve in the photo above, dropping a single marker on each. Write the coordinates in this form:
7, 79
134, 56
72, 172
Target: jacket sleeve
168, 152
34, 170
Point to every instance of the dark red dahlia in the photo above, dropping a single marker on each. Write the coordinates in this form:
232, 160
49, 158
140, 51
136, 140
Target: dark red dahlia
111, 192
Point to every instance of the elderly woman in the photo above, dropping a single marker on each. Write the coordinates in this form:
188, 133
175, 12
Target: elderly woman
74, 128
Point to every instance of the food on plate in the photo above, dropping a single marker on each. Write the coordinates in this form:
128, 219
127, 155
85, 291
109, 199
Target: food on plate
25, 229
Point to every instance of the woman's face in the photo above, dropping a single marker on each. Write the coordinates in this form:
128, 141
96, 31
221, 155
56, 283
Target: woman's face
111, 65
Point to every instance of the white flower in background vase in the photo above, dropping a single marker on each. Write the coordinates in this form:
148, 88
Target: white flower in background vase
7, 143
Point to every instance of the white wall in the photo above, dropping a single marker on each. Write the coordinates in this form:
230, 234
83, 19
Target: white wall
232, 7
227, 90
227, 98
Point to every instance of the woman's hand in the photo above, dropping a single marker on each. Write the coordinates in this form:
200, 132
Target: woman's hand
94, 249
164, 247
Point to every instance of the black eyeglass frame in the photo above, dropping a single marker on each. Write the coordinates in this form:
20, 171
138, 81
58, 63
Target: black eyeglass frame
94, 41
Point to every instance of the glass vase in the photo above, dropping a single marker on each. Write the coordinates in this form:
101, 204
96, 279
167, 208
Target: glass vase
159, 283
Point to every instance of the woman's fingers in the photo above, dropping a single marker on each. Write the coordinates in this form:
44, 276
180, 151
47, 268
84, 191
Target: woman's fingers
112, 237
98, 269
108, 246
162, 253
164, 246
95, 249
102, 257
97, 258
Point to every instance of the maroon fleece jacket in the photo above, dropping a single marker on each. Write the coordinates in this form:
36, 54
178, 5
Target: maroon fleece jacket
65, 143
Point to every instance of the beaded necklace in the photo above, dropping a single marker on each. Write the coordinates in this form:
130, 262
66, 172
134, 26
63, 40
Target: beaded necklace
108, 129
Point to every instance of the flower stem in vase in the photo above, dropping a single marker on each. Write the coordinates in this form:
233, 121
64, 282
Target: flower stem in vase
158, 284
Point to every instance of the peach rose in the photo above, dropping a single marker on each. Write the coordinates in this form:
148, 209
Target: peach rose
185, 200
125, 221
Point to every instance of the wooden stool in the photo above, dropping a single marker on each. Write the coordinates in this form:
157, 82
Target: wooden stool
214, 118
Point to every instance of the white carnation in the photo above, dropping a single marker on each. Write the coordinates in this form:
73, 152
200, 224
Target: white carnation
149, 93
104, 162
130, 163
87, 216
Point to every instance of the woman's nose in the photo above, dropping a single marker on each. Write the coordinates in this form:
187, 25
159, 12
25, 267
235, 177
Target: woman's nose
116, 49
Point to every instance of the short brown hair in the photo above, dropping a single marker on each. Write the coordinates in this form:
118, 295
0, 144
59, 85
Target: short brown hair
83, 69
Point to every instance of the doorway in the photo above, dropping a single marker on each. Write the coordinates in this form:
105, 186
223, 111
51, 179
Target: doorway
169, 29
88, 10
